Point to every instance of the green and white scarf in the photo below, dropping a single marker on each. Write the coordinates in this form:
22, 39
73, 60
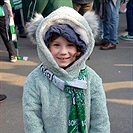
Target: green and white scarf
77, 118
1, 11
74, 90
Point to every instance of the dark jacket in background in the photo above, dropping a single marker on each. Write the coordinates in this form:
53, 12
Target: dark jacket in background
82, 1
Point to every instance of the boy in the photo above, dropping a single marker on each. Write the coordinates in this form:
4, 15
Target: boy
63, 94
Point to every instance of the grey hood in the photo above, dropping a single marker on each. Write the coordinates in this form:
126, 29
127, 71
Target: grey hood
86, 26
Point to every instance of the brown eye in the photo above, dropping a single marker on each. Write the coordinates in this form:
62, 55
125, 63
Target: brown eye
56, 44
71, 45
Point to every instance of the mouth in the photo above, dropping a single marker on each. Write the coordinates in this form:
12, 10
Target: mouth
62, 59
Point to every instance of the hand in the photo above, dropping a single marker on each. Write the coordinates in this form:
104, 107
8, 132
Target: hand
11, 15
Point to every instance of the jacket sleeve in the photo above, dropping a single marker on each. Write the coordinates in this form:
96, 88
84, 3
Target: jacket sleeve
32, 108
99, 119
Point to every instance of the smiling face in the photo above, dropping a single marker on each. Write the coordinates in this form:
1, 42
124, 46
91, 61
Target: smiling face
63, 51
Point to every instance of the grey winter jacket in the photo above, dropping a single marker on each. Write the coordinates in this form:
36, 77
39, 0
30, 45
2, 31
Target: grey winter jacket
46, 107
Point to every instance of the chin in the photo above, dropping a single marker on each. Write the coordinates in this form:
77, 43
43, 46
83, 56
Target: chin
64, 66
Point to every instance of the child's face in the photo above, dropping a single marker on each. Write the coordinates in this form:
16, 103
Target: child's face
63, 51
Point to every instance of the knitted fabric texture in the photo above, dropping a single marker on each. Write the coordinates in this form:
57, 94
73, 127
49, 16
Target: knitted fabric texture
67, 32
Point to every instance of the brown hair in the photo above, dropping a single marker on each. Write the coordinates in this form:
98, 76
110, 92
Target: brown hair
55, 36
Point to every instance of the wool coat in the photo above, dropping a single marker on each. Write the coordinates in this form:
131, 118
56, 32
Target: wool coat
45, 107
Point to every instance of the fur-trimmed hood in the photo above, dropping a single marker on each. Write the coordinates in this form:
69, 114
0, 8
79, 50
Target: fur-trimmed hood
86, 26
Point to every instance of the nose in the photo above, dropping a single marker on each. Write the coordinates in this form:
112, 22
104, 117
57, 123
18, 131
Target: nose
63, 50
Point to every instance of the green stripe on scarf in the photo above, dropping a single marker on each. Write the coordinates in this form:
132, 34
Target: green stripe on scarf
1, 11
77, 118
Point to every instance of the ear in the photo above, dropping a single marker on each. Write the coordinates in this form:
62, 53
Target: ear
32, 26
93, 21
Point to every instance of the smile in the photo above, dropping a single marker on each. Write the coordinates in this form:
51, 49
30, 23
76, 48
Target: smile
63, 58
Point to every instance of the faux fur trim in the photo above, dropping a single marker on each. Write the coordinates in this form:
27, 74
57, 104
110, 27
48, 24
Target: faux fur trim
90, 16
92, 20
33, 27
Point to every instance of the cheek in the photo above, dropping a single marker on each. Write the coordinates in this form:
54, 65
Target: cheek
74, 52
74, 55
53, 51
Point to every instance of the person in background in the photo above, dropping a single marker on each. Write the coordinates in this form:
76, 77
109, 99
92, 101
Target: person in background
99, 7
129, 16
82, 6
2, 97
63, 94
6, 8
16, 7
44, 7
109, 20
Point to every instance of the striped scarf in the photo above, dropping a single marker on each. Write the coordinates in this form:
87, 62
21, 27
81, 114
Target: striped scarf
77, 118
1, 11
74, 90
